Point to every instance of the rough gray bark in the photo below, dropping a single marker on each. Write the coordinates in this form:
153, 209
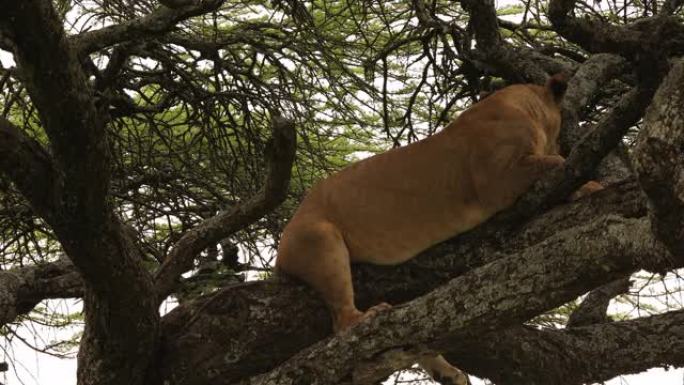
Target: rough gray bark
591, 75
574, 356
161, 20
537, 279
221, 339
121, 314
502, 293
593, 308
658, 157
22, 288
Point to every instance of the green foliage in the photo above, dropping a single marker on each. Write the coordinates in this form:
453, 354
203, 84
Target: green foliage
511, 9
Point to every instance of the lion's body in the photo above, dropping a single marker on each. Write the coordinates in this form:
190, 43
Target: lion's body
389, 207
393, 205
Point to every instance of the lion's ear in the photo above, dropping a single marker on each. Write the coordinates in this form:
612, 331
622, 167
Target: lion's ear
557, 84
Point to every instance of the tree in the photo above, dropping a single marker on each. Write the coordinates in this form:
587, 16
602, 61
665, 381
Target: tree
137, 159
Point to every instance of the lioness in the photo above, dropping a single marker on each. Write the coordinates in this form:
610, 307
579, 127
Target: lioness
387, 208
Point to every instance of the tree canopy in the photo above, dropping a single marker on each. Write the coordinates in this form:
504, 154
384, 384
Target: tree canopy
152, 151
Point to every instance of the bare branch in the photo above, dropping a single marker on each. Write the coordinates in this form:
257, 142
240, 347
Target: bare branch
512, 26
573, 356
29, 166
659, 162
22, 288
593, 309
212, 230
593, 35
518, 65
584, 84
590, 77
663, 33
160, 21
121, 311
58, 88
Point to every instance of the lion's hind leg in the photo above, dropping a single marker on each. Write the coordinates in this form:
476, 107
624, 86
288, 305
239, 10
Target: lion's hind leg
315, 252
442, 371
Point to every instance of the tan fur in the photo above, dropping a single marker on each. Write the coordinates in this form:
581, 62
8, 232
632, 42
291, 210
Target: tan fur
387, 208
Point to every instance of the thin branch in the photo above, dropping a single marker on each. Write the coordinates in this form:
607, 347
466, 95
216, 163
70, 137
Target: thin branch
512, 26
212, 230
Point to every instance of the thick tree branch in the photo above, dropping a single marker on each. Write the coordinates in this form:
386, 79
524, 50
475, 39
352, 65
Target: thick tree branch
591, 75
573, 356
58, 88
584, 84
659, 160
211, 231
29, 166
121, 310
22, 288
594, 307
662, 33
219, 339
514, 64
593, 35
158, 22
502, 293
